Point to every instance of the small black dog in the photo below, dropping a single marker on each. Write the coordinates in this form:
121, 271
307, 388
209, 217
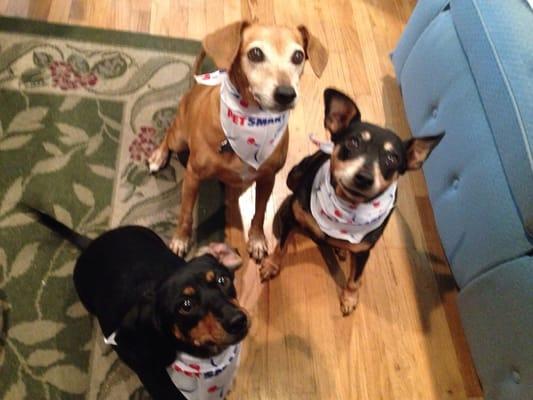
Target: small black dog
345, 199
153, 303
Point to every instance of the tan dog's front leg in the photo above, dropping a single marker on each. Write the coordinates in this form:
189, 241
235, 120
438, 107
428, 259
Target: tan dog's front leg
159, 157
189, 192
257, 245
271, 265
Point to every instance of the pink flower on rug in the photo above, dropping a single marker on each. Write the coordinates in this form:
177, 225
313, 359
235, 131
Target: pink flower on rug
66, 78
143, 145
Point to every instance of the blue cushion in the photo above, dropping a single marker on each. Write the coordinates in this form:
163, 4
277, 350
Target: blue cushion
496, 314
476, 216
498, 43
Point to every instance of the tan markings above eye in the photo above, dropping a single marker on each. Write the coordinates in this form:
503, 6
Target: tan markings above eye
366, 136
189, 291
210, 276
388, 146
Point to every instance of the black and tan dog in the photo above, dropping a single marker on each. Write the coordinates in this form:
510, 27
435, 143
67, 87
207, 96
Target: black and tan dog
153, 304
344, 200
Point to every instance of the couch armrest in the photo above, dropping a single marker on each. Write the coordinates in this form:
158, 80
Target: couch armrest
424, 12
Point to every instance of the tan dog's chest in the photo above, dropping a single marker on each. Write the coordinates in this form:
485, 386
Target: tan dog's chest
204, 136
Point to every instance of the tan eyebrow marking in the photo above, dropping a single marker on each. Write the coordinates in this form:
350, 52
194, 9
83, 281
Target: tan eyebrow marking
209, 276
388, 146
366, 136
189, 291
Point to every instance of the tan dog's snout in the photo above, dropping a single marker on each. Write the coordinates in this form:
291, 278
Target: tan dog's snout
284, 95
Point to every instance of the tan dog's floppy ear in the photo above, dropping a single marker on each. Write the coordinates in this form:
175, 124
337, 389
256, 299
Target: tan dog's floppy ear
340, 111
419, 149
224, 254
223, 44
315, 52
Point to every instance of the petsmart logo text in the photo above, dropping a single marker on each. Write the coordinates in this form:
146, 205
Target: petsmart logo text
253, 121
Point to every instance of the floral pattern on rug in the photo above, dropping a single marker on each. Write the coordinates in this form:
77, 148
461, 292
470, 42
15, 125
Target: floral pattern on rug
77, 121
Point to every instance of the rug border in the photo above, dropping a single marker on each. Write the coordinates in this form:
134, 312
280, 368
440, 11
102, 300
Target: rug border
99, 35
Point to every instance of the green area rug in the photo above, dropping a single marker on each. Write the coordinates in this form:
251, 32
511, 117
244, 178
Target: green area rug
80, 111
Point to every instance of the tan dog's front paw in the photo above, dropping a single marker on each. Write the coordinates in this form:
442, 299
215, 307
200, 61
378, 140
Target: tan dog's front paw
180, 246
157, 160
349, 300
257, 246
269, 269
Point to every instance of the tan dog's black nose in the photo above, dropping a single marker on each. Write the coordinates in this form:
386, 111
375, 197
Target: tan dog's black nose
284, 95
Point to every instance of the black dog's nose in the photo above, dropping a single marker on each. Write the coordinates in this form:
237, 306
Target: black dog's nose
364, 179
237, 323
284, 95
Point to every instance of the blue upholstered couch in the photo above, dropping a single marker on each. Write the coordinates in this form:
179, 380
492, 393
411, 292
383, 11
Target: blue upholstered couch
466, 67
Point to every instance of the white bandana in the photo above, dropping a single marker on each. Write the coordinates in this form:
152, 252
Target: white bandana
201, 378
338, 219
252, 133
205, 378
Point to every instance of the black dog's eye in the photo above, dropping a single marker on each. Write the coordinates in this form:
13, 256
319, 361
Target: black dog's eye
297, 57
256, 55
391, 159
224, 282
185, 306
352, 143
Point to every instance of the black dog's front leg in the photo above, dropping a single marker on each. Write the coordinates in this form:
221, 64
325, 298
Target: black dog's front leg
152, 373
350, 294
158, 384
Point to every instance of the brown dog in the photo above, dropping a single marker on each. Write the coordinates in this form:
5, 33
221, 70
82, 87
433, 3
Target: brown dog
264, 65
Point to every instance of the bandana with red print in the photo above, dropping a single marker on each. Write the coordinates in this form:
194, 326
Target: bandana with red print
252, 133
340, 219
205, 378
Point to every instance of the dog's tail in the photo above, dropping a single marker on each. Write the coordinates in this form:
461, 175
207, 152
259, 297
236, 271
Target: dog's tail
283, 221
78, 240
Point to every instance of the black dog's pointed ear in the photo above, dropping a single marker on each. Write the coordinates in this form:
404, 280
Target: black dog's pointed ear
419, 149
340, 111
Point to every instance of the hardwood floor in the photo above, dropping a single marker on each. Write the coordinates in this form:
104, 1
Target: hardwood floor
405, 340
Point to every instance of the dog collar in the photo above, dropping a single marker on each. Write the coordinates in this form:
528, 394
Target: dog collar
205, 378
338, 219
252, 133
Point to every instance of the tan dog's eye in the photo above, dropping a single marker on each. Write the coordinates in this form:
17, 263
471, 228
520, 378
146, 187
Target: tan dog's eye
297, 57
256, 55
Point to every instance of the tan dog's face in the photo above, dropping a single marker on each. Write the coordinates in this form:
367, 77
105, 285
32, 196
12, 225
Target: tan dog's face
273, 58
265, 63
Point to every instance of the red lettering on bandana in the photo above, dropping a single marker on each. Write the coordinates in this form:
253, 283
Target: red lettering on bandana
236, 119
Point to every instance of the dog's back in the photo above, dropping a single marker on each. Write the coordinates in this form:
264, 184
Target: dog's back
118, 269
